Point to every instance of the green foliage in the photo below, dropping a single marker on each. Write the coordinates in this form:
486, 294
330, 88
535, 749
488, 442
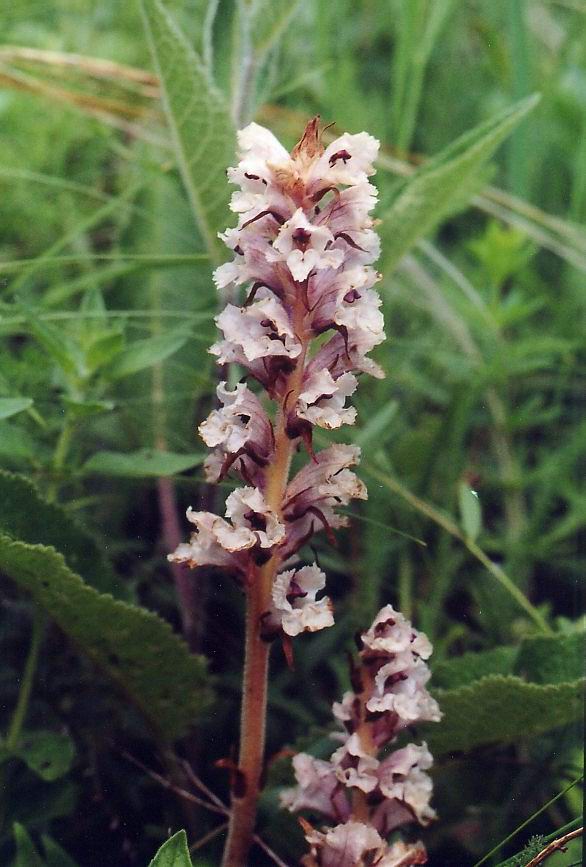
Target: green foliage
26, 854
12, 405
32, 519
48, 754
507, 694
498, 709
551, 660
435, 189
133, 646
202, 134
470, 667
142, 464
146, 353
470, 511
55, 856
173, 853
269, 18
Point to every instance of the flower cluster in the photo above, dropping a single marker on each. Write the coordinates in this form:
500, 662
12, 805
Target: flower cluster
368, 797
303, 250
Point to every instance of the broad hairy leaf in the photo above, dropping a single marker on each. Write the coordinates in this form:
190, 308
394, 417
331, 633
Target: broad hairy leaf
32, 519
465, 669
501, 709
430, 194
196, 19
508, 693
201, 129
173, 853
551, 659
144, 463
135, 647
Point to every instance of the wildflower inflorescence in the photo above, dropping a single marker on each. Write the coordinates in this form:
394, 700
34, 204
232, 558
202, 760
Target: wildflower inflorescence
367, 797
304, 247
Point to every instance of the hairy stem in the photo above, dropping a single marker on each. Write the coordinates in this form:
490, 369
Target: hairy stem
256, 658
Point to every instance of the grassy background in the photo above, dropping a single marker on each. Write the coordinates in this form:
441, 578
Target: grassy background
478, 420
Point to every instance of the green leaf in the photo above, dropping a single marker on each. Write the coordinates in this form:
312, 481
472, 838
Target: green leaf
429, 195
26, 853
470, 510
469, 667
145, 353
485, 699
173, 853
144, 463
55, 856
196, 19
16, 443
135, 647
375, 430
86, 408
268, 21
32, 519
201, 129
13, 405
554, 659
501, 709
62, 348
103, 349
48, 754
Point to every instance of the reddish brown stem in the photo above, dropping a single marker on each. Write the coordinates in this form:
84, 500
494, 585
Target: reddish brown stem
254, 690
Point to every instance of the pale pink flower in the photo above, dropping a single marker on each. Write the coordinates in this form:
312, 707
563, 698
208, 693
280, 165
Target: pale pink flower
322, 401
318, 789
246, 507
305, 247
352, 844
295, 606
259, 331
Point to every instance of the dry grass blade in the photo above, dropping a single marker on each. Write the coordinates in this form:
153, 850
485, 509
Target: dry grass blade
95, 67
21, 81
560, 237
558, 845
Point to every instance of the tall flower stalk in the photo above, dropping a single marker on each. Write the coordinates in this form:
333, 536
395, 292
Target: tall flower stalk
303, 249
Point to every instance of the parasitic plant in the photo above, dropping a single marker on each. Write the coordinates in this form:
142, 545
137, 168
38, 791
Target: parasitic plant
304, 249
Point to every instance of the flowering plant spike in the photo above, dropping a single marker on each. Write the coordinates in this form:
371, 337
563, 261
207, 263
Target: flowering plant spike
367, 798
303, 250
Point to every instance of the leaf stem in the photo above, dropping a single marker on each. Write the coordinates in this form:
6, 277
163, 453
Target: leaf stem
26, 683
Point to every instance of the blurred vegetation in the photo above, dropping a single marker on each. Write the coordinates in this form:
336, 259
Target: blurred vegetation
472, 446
